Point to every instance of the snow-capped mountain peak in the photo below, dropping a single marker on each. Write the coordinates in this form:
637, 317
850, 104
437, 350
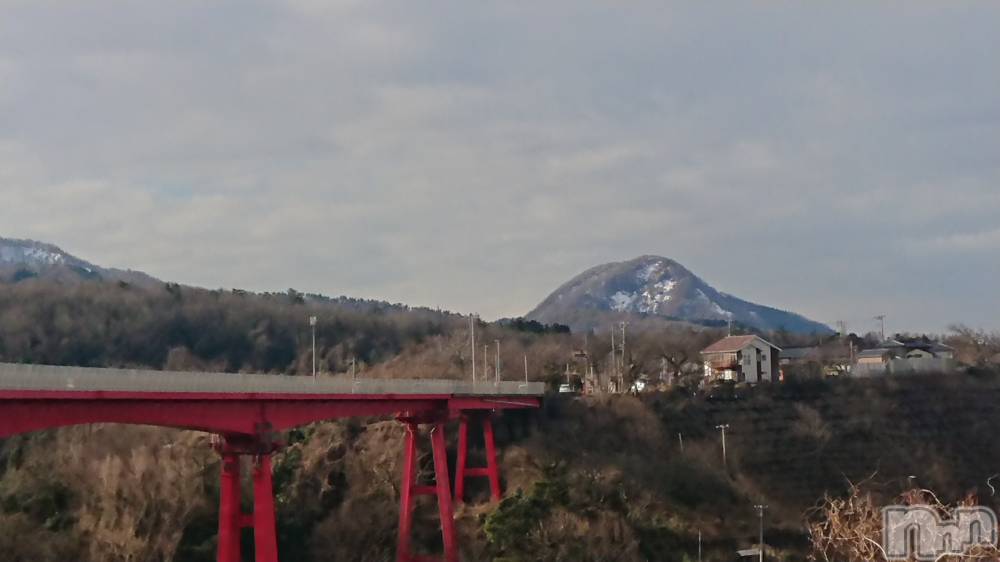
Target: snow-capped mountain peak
659, 287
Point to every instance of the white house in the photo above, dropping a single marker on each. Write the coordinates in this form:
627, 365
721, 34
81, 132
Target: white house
905, 357
750, 359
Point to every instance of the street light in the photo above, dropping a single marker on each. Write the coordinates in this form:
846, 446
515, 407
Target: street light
312, 324
760, 514
498, 361
723, 428
472, 340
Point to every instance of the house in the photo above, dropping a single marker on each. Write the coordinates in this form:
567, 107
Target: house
750, 359
831, 359
799, 355
875, 356
905, 357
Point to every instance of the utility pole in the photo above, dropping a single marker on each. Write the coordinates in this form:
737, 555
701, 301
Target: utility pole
699, 546
354, 368
881, 319
525, 367
472, 342
614, 357
843, 328
730, 330
624, 366
312, 324
498, 361
723, 428
486, 370
680, 439
760, 545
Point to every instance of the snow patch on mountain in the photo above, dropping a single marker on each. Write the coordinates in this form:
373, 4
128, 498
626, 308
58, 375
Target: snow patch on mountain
20, 253
657, 295
654, 288
622, 301
649, 271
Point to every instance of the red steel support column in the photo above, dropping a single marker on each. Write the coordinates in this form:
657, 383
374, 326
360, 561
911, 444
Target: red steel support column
492, 469
264, 523
406, 495
444, 492
229, 509
462, 458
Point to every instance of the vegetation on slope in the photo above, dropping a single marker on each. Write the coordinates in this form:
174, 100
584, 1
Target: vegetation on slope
175, 327
599, 478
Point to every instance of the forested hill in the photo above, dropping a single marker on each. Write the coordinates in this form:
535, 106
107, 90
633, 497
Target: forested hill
169, 326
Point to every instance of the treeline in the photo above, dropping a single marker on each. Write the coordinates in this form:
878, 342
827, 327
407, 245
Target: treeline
177, 327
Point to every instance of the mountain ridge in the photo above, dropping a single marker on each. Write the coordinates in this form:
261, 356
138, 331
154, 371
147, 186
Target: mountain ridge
22, 259
657, 287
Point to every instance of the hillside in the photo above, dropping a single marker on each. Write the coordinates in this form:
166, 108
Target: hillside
655, 287
588, 479
102, 323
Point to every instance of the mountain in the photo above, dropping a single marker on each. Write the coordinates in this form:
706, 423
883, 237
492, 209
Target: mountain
21, 260
658, 288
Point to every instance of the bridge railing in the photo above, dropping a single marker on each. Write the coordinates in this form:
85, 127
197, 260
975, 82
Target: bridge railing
45, 377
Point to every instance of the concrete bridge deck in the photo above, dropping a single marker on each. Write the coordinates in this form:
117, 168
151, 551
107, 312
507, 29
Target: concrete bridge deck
19, 377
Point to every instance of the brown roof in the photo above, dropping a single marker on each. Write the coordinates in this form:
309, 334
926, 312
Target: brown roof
733, 343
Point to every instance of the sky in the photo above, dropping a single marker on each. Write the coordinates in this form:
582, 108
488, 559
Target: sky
838, 159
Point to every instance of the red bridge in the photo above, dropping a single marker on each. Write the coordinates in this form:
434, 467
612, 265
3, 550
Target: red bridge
248, 412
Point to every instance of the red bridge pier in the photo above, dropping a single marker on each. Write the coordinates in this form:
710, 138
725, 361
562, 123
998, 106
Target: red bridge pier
231, 517
258, 449
411, 488
491, 470
441, 488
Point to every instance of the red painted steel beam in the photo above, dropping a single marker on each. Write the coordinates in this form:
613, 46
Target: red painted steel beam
411, 488
228, 549
216, 416
409, 482
25, 411
463, 403
462, 459
445, 509
265, 527
491, 470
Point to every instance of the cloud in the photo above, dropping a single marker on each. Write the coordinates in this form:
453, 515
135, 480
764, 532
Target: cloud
983, 241
475, 156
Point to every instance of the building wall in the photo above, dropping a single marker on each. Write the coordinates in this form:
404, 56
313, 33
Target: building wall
932, 365
869, 361
759, 362
722, 374
752, 369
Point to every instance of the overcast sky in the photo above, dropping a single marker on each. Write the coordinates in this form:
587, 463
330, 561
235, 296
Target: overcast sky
839, 159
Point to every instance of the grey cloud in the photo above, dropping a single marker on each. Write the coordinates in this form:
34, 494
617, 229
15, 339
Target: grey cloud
475, 155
